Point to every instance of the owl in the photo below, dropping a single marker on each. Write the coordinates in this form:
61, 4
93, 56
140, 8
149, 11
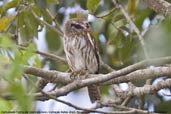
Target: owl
81, 51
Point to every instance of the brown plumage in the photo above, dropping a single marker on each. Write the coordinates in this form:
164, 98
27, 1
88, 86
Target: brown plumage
81, 51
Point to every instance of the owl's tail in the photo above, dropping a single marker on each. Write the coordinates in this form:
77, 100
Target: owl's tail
94, 93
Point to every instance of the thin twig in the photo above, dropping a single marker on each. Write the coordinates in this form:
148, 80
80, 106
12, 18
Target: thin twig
134, 110
47, 55
54, 19
126, 101
141, 39
111, 11
47, 24
78, 107
106, 65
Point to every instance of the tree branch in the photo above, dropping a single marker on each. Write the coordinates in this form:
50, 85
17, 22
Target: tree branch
160, 6
52, 75
63, 78
58, 31
147, 89
142, 75
133, 110
59, 77
47, 55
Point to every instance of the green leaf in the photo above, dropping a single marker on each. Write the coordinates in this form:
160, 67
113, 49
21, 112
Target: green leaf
5, 41
23, 100
12, 3
132, 5
53, 1
158, 39
28, 26
140, 17
5, 105
5, 22
41, 4
1, 9
92, 5
36, 10
164, 106
47, 17
28, 53
53, 41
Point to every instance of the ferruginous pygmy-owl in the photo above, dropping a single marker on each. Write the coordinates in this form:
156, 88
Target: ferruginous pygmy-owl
81, 51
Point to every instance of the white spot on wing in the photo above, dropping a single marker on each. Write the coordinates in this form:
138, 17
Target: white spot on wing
90, 39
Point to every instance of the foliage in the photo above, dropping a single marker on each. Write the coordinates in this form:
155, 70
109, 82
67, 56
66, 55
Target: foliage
22, 23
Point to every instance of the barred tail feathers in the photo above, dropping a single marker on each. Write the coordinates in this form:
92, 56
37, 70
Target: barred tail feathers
94, 93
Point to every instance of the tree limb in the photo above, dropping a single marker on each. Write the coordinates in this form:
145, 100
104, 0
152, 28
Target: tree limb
52, 75
147, 89
160, 6
63, 78
60, 77
142, 75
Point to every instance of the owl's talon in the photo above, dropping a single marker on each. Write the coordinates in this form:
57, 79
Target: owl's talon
74, 75
78, 74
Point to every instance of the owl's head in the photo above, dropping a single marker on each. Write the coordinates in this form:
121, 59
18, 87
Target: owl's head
76, 26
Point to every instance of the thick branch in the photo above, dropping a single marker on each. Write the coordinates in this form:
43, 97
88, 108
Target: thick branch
63, 78
142, 74
52, 76
102, 78
160, 6
147, 89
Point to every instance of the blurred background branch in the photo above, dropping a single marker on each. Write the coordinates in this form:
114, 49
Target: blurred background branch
160, 6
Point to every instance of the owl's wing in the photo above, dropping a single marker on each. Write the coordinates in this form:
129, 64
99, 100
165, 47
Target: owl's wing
92, 42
